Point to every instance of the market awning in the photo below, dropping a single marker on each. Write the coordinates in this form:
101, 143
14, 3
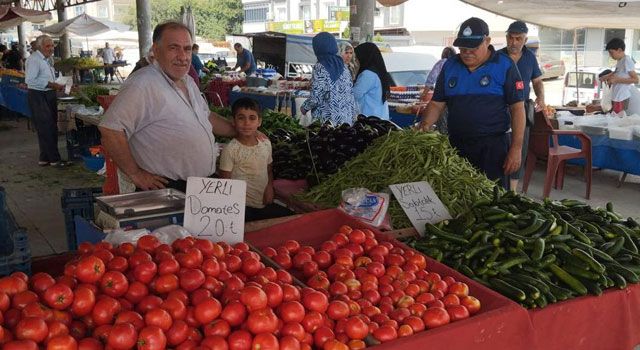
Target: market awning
84, 25
567, 14
11, 16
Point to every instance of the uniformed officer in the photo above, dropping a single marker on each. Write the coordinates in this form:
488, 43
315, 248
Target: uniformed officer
530, 72
483, 92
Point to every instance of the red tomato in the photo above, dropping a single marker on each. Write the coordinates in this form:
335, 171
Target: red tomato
435, 317
289, 343
356, 328
315, 301
191, 279
89, 269
176, 308
291, 311
451, 299
207, 310
159, 318
166, 283
83, 301
322, 335
192, 258
415, 323
217, 327
319, 282
338, 310
234, 312
457, 312
253, 298
292, 246
148, 243
385, 334
293, 329
105, 311
137, 291
145, 271
460, 289
274, 293
265, 341
151, 338
405, 331
211, 267
471, 303
251, 266
233, 262
148, 303
40, 282
240, 340
170, 265
114, 284
59, 296
20, 300
122, 336
34, 309
31, 328
283, 260
130, 317
89, 344
177, 333
262, 321
20, 345
290, 293
312, 321
78, 329
118, 263
56, 328
356, 344
215, 342
62, 342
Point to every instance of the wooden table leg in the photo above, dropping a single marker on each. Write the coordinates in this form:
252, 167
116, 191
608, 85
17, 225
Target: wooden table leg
621, 179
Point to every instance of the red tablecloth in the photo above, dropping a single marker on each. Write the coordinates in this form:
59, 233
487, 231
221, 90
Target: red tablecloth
501, 324
608, 322
217, 87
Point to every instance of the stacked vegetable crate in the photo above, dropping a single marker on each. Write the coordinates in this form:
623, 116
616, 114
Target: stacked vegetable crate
77, 201
15, 254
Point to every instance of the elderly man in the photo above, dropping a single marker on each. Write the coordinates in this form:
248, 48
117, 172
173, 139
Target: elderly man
159, 130
530, 72
42, 99
245, 62
483, 92
108, 56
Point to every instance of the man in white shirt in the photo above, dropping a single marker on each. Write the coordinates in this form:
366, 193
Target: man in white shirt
159, 129
42, 100
108, 56
623, 78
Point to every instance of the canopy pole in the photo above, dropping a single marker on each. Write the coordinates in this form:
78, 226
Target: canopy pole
21, 34
143, 15
63, 44
361, 20
575, 54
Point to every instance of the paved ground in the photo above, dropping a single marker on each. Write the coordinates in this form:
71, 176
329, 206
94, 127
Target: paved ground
34, 192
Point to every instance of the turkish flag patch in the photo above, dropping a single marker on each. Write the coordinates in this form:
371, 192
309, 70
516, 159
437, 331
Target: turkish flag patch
519, 85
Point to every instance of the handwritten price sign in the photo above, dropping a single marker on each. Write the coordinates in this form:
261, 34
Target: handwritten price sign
420, 203
214, 209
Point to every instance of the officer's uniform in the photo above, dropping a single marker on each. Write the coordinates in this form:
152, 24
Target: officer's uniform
479, 114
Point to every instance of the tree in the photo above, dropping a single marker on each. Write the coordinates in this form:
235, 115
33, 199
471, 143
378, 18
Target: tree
214, 18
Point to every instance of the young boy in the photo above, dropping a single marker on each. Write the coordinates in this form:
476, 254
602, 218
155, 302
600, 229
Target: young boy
624, 76
248, 158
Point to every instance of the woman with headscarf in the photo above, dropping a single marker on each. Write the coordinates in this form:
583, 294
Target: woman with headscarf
331, 96
372, 82
346, 52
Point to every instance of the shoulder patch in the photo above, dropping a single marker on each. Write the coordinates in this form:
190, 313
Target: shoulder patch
519, 85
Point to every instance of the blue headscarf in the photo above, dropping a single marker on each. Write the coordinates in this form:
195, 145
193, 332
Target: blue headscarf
325, 47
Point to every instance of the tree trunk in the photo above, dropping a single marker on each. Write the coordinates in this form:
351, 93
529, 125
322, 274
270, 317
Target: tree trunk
143, 14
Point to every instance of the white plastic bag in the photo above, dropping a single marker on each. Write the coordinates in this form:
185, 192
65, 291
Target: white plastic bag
634, 102
168, 234
364, 205
606, 103
119, 236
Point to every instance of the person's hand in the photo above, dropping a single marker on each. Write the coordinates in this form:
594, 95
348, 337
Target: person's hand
540, 105
267, 198
261, 136
205, 69
612, 79
513, 160
145, 181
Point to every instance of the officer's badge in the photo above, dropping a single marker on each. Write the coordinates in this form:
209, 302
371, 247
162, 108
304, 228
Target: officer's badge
467, 31
453, 82
484, 81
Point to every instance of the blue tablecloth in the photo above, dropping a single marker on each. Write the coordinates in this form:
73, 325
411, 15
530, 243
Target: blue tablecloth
620, 155
14, 99
403, 120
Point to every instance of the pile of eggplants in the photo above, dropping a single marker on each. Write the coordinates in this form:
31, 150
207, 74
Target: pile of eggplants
322, 149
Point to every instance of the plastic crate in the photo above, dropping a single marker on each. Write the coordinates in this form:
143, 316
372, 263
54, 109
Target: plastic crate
77, 202
20, 259
7, 226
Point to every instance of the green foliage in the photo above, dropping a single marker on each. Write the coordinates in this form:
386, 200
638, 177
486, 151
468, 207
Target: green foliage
214, 18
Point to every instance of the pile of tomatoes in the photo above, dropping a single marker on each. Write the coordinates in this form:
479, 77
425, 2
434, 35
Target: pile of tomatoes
385, 286
193, 294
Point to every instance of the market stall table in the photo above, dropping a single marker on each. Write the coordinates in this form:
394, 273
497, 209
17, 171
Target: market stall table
14, 99
266, 100
218, 90
403, 120
607, 153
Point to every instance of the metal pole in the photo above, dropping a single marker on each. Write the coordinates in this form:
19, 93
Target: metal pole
575, 53
65, 47
143, 14
21, 34
361, 20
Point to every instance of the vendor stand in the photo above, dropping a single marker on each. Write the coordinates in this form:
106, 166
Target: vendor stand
13, 93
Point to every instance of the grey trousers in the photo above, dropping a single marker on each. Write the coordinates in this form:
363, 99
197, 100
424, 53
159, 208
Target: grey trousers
44, 114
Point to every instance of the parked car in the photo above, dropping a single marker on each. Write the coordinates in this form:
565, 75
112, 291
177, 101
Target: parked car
551, 68
587, 83
408, 68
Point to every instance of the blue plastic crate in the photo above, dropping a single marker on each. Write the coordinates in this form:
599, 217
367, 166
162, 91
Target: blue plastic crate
77, 202
20, 259
78, 195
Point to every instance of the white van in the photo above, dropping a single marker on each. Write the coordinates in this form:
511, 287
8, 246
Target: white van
588, 86
408, 68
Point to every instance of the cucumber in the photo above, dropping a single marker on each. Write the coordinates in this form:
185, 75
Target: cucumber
592, 286
532, 228
475, 250
506, 265
541, 302
628, 275
559, 292
542, 286
507, 289
618, 243
567, 279
445, 235
538, 249
582, 273
530, 290
559, 238
618, 280
578, 234
587, 248
591, 262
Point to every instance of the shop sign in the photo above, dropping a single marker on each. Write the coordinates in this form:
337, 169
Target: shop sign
304, 27
339, 13
420, 203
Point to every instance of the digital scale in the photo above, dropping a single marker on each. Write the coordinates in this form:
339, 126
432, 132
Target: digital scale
138, 210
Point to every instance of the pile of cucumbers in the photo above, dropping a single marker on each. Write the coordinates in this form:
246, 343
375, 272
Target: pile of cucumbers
538, 253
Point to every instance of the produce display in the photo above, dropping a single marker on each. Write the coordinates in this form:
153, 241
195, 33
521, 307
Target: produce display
538, 253
325, 146
407, 156
88, 94
78, 63
389, 285
11, 72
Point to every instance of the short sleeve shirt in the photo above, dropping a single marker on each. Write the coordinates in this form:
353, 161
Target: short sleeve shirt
247, 56
248, 163
621, 92
528, 67
169, 133
478, 102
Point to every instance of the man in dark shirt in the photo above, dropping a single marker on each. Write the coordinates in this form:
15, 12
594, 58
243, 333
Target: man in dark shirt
13, 58
483, 92
246, 62
530, 73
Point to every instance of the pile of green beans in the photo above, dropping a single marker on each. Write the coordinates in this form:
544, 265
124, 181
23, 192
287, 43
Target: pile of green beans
407, 156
